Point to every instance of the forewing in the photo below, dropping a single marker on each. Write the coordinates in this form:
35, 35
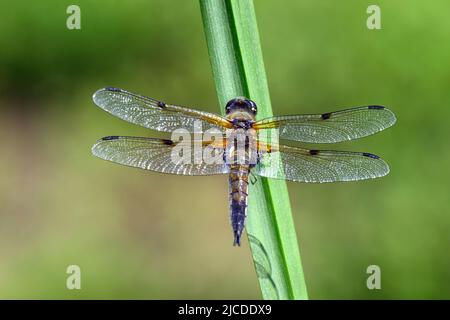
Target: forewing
157, 155
154, 114
302, 165
330, 127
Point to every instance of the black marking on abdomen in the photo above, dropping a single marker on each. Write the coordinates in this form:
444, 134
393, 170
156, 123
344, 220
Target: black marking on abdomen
239, 191
238, 215
238, 181
313, 152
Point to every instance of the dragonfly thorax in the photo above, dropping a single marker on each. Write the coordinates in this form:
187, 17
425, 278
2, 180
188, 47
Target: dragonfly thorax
241, 148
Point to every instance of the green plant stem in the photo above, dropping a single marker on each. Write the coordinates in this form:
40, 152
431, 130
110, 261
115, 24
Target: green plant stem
238, 70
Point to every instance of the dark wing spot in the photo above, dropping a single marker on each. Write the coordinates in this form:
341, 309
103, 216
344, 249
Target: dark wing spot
167, 142
161, 104
313, 152
370, 155
110, 138
326, 116
376, 107
113, 89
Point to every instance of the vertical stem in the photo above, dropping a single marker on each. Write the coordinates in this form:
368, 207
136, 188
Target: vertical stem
238, 70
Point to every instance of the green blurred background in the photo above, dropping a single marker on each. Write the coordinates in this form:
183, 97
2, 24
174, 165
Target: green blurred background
139, 234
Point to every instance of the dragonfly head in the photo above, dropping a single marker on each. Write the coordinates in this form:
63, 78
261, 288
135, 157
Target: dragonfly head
242, 104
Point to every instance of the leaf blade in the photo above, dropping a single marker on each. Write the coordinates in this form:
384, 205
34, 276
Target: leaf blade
238, 70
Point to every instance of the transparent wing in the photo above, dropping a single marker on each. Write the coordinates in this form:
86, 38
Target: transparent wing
330, 127
302, 165
154, 114
159, 155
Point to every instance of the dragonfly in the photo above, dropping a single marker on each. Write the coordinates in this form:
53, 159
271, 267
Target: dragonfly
252, 156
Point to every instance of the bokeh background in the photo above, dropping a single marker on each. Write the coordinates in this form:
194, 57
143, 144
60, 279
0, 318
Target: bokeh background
138, 234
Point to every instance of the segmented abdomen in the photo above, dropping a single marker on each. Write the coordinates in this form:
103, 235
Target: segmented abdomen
238, 199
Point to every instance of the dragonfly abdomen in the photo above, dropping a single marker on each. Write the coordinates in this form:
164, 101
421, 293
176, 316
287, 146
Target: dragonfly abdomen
238, 199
